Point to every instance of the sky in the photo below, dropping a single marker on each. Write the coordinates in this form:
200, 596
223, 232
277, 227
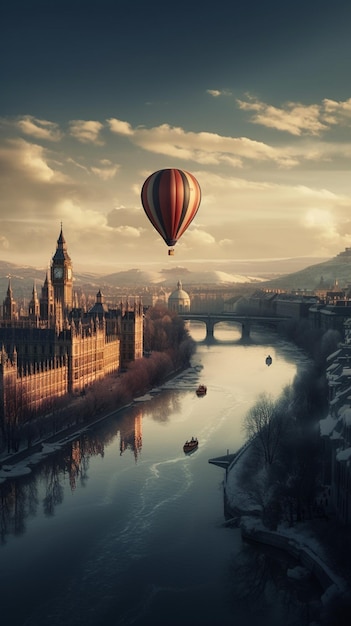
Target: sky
253, 98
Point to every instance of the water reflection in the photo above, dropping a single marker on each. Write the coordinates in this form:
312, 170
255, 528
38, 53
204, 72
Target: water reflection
260, 579
227, 336
163, 406
227, 333
117, 508
131, 433
19, 496
53, 488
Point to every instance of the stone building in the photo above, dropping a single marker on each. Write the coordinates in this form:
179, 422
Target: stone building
58, 348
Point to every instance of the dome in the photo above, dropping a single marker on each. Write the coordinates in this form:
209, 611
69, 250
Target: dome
179, 300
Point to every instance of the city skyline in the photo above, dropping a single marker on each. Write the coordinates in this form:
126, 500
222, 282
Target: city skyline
253, 100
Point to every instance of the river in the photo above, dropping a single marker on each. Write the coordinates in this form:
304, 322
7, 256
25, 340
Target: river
119, 527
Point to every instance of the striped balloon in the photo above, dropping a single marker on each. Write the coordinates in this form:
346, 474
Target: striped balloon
171, 198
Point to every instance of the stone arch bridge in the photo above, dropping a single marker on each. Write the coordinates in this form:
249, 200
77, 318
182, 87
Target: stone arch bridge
246, 321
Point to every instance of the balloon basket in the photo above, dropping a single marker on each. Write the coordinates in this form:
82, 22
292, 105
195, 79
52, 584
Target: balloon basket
171, 252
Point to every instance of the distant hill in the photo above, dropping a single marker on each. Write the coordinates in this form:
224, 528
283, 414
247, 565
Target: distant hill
320, 275
325, 273
169, 278
24, 278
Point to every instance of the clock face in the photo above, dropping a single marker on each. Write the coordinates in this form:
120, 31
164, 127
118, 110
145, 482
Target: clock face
58, 272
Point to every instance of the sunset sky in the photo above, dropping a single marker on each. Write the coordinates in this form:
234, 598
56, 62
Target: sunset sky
253, 98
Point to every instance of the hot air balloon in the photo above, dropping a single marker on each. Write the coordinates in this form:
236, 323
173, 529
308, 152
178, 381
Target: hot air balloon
171, 198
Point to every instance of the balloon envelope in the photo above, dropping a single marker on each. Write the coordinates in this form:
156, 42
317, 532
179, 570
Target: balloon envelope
171, 199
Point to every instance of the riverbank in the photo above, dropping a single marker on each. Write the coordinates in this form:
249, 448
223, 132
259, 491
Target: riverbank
19, 463
313, 543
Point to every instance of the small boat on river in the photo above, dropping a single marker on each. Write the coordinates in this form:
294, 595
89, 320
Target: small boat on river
191, 445
201, 390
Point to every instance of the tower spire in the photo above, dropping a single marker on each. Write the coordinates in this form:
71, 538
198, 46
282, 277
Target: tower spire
61, 274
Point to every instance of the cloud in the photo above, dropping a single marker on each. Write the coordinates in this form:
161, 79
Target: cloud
225, 243
77, 215
337, 112
256, 195
119, 127
40, 129
269, 216
215, 93
208, 148
36, 196
129, 231
121, 217
4, 242
84, 168
86, 131
294, 118
107, 170
197, 237
298, 119
31, 160
320, 218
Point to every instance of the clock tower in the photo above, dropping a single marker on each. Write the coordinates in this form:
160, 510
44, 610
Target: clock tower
61, 275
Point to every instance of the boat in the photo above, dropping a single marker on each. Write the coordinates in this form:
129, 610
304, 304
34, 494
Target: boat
191, 445
201, 390
269, 360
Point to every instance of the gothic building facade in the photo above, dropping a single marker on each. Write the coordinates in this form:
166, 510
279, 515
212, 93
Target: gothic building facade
57, 348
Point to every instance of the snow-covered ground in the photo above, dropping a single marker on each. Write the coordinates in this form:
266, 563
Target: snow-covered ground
15, 469
300, 537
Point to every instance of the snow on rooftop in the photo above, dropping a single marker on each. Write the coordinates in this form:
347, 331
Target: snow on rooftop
332, 357
333, 366
335, 435
345, 413
344, 455
327, 425
342, 393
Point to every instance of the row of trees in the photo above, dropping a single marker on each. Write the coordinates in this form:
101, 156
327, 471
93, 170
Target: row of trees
282, 475
284, 472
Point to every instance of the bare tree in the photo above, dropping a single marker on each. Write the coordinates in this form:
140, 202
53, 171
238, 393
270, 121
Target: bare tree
264, 424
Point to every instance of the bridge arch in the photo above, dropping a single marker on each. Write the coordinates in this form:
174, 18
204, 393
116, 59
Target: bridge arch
246, 321
210, 321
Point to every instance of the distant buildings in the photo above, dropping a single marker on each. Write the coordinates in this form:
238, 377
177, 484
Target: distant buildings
336, 430
59, 347
327, 311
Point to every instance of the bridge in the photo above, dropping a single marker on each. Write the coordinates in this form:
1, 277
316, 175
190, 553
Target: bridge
246, 321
